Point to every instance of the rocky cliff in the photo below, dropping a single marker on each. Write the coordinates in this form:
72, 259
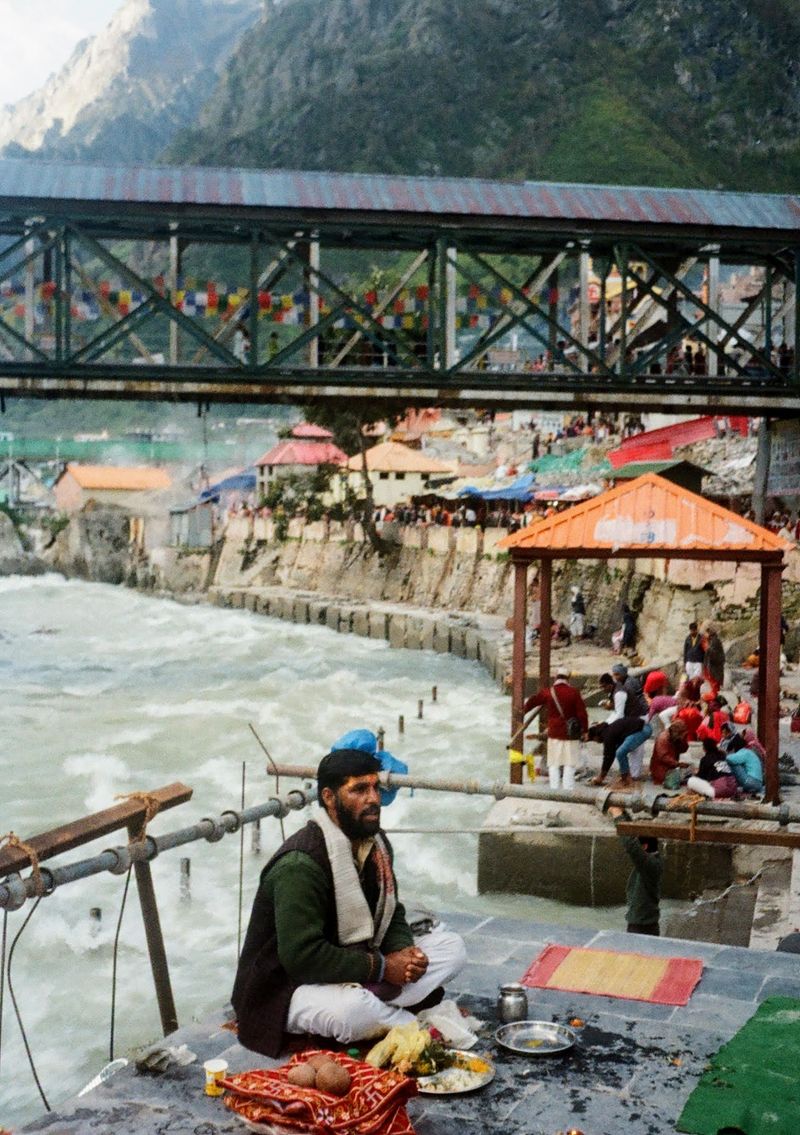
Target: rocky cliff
125, 92
647, 92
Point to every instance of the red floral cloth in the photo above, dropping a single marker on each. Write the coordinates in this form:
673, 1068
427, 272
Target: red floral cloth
375, 1104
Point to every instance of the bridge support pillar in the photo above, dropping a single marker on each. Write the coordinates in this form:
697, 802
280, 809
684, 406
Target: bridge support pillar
713, 303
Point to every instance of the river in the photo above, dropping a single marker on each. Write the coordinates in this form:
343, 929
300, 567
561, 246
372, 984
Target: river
108, 692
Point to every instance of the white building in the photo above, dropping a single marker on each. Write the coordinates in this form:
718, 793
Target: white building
397, 473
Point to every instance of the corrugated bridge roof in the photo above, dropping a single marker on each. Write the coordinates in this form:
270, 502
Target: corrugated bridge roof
29, 180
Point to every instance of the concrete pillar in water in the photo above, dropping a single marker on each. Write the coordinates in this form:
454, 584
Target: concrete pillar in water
255, 838
95, 920
186, 878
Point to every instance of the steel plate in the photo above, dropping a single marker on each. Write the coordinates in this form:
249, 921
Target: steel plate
535, 1038
456, 1081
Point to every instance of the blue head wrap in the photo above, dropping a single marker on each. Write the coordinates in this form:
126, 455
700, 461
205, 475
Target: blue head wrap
366, 742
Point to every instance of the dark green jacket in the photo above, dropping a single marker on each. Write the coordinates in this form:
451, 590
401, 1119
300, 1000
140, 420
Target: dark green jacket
292, 939
643, 889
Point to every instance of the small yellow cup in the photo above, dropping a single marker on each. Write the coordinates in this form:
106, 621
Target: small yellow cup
215, 1071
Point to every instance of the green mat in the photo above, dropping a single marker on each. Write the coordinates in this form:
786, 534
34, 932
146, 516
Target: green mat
752, 1084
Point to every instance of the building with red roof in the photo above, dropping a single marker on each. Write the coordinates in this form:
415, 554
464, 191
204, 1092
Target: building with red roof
297, 455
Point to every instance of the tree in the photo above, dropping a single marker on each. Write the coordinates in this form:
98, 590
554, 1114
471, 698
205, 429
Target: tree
347, 419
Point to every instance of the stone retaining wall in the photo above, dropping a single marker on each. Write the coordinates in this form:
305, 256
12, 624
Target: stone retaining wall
479, 639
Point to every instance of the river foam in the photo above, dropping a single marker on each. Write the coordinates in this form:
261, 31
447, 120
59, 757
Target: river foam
126, 693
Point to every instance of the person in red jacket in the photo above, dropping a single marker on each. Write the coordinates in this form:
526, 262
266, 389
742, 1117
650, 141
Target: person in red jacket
565, 707
669, 747
711, 725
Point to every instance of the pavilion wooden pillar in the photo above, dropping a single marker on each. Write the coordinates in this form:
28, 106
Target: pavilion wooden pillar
769, 673
518, 664
545, 637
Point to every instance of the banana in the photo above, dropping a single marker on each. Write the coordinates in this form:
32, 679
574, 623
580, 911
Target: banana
400, 1048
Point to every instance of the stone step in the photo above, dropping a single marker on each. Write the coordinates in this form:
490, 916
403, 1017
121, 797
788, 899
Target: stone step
715, 917
772, 916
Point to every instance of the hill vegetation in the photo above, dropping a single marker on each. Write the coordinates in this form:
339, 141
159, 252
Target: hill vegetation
653, 92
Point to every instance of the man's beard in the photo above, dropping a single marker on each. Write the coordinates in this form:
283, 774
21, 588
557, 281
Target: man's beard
356, 827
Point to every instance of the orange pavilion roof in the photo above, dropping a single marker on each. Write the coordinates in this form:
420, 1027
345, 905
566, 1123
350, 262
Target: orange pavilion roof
645, 517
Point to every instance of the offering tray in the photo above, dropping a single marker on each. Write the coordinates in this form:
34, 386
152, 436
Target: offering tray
460, 1078
535, 1038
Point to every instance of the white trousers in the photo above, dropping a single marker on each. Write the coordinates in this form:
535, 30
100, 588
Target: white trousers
349, 1012
562, 752
693, 669
700, 786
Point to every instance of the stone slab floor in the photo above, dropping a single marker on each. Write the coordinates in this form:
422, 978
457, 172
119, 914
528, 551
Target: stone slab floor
633, 1068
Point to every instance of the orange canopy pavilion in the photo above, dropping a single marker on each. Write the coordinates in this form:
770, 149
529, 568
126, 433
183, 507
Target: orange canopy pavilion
645, 519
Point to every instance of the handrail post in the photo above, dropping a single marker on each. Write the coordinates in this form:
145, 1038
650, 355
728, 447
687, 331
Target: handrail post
155, 941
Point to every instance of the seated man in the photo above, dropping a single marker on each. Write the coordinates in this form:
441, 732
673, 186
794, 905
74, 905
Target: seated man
665, 761
744, 761
714, 777
328, 950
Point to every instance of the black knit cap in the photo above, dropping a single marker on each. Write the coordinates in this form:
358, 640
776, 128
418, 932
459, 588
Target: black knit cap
335, 768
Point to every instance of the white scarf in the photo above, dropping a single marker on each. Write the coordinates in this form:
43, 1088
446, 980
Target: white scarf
355, 923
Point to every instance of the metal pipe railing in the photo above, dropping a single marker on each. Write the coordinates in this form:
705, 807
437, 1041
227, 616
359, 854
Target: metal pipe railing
634, 802
14, 890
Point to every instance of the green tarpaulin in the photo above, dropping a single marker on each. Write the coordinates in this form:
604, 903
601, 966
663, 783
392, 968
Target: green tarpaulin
752, 1084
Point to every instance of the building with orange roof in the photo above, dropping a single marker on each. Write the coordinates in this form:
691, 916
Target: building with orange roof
107, 484
650, 518
397, 472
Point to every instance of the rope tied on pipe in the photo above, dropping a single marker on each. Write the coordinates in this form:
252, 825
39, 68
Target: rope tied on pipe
12, 840
690, 800
151, 806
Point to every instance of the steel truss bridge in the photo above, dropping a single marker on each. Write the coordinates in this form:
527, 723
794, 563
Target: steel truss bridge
397, 289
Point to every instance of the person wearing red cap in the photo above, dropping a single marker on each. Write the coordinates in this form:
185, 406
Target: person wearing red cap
656, 684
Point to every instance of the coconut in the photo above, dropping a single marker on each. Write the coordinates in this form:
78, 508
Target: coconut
302, 1075
320, 1058
333, 1078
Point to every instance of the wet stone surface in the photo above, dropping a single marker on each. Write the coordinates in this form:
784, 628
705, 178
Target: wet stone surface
632, 1069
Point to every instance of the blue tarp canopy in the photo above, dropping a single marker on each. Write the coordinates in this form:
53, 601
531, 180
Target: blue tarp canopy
244, 482
519, 490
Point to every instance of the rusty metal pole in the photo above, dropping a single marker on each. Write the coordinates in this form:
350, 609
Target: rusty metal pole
518, 660
545, 637
769, 675
155, 941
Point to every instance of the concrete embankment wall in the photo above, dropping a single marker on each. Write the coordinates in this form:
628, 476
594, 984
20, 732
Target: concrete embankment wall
438, 589
451, 589
445, 568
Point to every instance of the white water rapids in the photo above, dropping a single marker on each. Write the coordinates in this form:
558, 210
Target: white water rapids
108, 692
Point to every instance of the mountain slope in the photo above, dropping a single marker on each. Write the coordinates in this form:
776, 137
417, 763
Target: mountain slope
124, 93
705, 92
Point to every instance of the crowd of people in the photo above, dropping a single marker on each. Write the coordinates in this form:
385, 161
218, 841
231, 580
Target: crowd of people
640, 711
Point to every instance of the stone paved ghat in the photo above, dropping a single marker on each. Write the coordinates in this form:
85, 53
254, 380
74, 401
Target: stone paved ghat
632, 1070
